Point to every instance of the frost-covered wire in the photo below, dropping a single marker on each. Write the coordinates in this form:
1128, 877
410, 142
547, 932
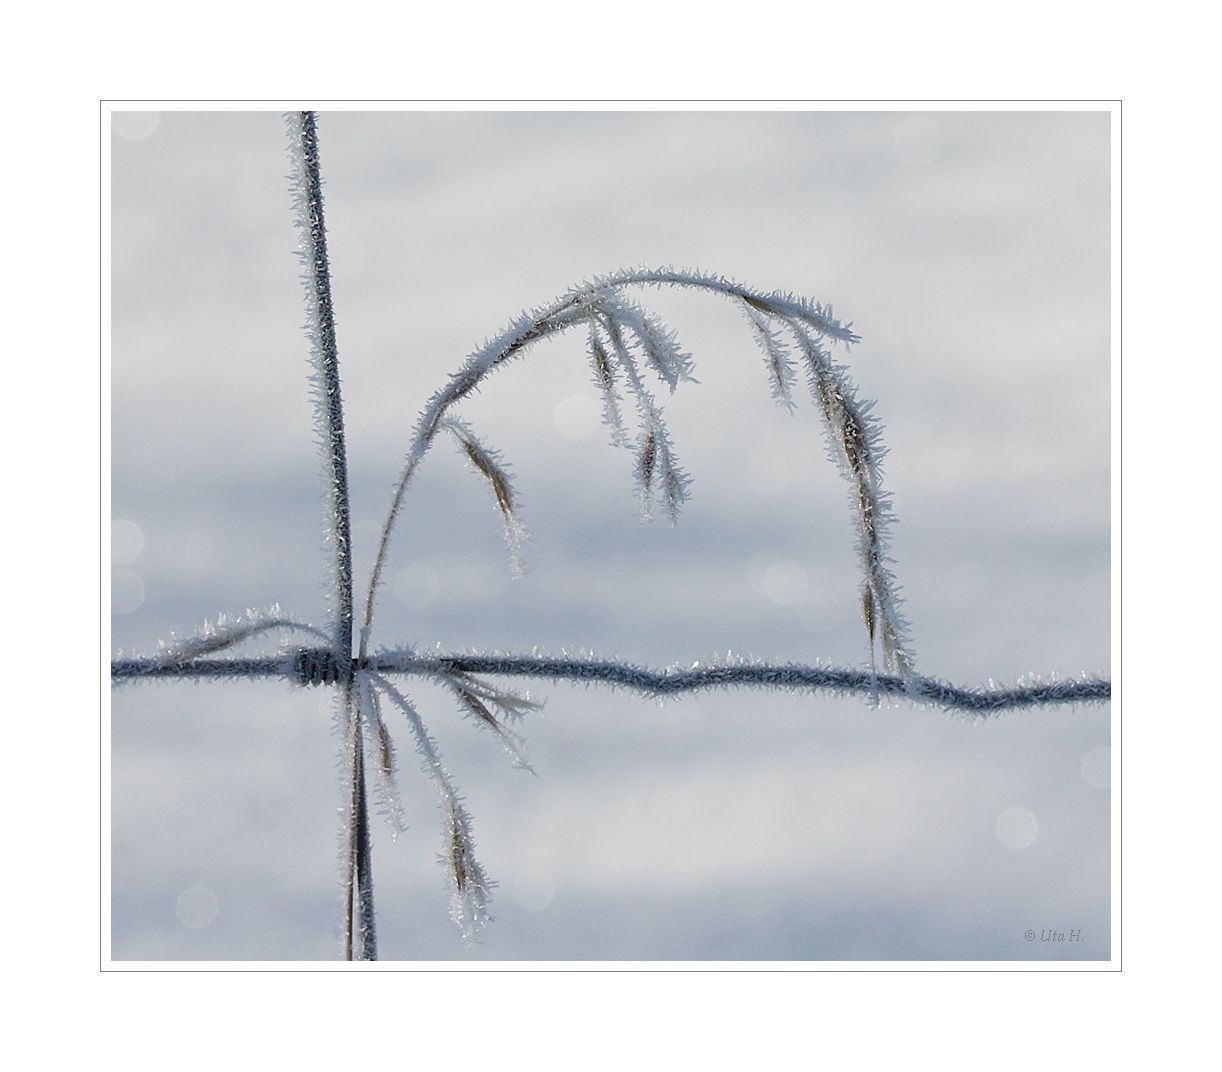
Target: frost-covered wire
677, 681
732, 673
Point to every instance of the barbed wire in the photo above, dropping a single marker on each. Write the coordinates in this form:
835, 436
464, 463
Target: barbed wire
318, 666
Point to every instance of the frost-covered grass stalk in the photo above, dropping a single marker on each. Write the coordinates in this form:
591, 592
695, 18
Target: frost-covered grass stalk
625, 341
629, 349
360, 941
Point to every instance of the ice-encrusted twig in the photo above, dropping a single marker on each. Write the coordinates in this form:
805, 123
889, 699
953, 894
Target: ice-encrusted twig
854, 443
657, 471
306, 186
605, 381
776, 355
489, 465
470, 888
227, 632
480, 702
600, 305
380, 748
512, 705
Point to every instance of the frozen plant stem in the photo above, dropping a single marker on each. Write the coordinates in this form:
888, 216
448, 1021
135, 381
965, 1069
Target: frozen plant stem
360, 942
624, 338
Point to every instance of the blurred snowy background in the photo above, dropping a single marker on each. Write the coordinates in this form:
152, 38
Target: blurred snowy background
971, 251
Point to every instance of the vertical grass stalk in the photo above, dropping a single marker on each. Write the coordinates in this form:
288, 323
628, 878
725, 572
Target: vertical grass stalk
359, 936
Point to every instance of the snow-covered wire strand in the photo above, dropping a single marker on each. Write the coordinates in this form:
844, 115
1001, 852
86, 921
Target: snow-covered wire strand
919, 689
